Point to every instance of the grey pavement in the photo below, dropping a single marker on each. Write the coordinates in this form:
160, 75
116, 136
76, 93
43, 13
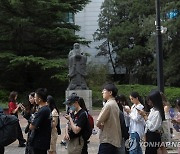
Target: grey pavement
92, 146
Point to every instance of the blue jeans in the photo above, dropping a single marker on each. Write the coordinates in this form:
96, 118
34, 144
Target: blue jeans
135, 148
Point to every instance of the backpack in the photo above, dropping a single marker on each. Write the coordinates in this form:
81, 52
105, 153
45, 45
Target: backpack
91, 121
8, 129
89, 127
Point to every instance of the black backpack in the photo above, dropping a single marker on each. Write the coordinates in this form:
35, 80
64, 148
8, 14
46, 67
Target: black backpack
8, 129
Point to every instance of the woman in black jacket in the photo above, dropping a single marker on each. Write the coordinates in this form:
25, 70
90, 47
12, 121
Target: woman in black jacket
28, 115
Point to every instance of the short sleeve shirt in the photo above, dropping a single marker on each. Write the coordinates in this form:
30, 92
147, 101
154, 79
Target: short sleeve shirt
12, 106
42, 122
80, 120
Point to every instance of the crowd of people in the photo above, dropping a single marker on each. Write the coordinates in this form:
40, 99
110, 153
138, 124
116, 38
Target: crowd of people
122, 127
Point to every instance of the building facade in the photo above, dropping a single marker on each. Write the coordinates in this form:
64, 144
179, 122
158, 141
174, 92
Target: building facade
87, 19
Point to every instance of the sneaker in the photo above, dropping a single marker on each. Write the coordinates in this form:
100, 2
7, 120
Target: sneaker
22, 145
63, 142
94, 132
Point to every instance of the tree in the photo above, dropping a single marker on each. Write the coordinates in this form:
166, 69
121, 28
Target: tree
171, 39
35, 37
102, 33
131, 32
124, 33
38, 27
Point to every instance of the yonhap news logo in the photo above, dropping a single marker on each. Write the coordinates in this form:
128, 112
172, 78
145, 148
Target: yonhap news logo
173, 144
130, 144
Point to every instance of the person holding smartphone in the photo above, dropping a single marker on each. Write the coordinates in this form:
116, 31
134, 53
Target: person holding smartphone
136, 128
13, 110
153, 122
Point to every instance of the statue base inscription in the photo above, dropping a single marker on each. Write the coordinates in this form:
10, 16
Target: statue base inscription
85, 94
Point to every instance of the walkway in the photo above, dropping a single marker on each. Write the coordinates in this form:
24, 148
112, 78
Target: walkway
92, 146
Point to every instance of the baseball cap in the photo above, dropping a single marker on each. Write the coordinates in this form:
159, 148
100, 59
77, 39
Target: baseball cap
71, 99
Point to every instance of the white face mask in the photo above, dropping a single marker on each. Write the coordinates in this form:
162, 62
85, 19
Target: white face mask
72, 108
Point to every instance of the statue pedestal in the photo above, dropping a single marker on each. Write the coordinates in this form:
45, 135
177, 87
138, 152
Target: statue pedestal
85, 94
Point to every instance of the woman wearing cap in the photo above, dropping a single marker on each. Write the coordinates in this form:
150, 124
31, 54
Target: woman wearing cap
77, 125
108, 122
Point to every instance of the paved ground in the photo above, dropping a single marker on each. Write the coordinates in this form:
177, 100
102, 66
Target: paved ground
92, 146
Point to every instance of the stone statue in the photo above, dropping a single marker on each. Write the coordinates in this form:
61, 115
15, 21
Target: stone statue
77, 69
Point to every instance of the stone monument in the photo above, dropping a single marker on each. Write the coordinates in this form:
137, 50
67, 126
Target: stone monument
77, 74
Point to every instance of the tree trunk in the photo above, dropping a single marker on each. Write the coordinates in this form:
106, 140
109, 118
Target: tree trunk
110, 56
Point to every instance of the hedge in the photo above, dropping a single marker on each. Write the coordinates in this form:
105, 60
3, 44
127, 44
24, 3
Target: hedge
172, 93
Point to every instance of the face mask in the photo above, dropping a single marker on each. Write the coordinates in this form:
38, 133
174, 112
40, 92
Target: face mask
72, 108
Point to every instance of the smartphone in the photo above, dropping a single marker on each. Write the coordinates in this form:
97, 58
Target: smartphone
138, 109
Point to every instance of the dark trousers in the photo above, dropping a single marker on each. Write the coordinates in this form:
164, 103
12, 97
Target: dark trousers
20, 135
29, 149
152, 137
106, 148
1, 150
85, 148
39, 151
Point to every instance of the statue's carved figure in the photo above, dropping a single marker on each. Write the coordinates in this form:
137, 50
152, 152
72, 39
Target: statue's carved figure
77, 68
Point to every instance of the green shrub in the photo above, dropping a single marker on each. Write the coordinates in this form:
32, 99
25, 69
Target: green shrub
170, 92
97, 75
3, 98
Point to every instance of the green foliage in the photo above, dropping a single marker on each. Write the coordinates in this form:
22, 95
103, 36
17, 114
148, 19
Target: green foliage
129, 26
35, 38
30, 65
171, 93
38, 27
97, 74
3, 96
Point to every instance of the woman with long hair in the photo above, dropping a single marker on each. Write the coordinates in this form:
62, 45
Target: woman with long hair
55, 123
136, 128
13, 109
153, 122
124, 122
166, 125
123, 104
27, 114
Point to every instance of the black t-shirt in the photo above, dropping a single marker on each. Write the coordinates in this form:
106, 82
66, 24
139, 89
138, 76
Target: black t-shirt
80, 120
42, 122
